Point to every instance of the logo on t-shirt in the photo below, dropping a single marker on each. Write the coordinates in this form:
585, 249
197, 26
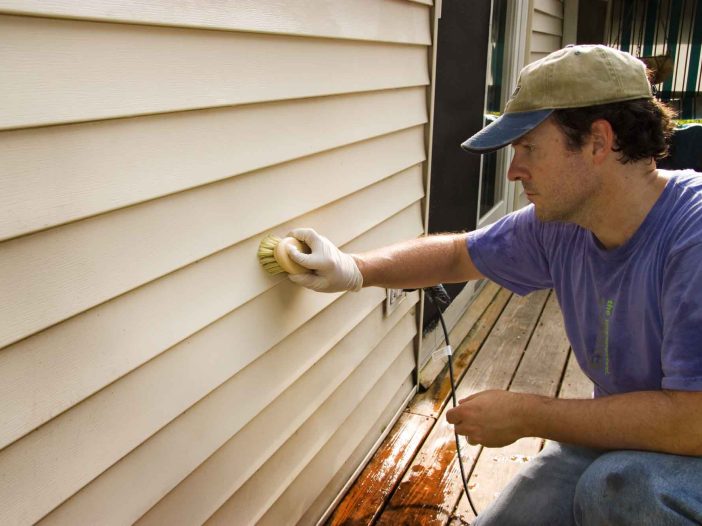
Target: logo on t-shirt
598, 360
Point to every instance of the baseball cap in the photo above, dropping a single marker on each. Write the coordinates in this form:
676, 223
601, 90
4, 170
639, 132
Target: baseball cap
572, 77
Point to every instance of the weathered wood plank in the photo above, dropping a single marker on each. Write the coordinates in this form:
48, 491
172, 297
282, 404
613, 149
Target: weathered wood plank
544, 360
575, 383
539, 372
366, 498
457, 318
494, 469
485, 309
429, 491
463, 516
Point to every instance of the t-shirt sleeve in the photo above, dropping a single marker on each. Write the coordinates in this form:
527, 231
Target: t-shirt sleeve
682, 321
510, 252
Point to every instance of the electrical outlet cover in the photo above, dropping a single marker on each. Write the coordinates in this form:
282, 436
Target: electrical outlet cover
393, 297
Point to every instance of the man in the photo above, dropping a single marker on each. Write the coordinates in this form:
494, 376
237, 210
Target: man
620, 242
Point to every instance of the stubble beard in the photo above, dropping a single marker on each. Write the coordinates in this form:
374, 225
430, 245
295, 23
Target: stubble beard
557, 213
572, 206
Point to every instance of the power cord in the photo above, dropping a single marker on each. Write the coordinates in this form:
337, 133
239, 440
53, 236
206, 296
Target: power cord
439, 298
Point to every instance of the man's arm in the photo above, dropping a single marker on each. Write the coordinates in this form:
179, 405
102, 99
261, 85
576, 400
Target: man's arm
418, 263
663, 421
408, 265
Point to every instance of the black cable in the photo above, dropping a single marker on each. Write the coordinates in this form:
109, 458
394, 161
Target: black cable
438, 296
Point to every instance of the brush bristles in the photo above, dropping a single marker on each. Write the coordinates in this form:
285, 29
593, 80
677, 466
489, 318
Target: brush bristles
265, 255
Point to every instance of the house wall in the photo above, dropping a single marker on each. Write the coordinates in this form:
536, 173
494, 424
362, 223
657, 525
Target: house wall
150, 370
546, 28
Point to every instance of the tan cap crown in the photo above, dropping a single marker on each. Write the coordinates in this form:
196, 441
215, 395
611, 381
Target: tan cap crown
579, 76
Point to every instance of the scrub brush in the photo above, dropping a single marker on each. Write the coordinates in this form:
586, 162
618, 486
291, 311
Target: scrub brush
273, 255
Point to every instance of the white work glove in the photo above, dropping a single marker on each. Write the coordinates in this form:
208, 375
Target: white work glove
331, 270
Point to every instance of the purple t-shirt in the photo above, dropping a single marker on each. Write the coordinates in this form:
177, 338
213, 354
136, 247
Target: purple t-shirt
633, 314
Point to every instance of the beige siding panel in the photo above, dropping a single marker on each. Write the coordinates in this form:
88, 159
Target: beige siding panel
551, 7
353, 404
170, 455
58, 273
56, 460
405, 224
533, 57
59, 174
43, 375
541, 43
544, 23
360, 456
76, 71
43, 463
387, 20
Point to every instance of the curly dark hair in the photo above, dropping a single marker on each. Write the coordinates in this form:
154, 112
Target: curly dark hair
643, 127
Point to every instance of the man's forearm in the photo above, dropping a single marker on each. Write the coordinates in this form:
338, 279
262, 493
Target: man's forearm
664, 421
418, 263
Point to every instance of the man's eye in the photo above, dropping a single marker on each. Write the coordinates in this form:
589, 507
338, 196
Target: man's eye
526, 146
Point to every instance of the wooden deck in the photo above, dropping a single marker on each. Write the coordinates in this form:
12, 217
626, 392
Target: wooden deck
513, 343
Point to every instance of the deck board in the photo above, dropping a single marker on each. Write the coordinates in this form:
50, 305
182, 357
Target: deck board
539, 372
432, 401
575, 383
431, 488
517, 344
365, 500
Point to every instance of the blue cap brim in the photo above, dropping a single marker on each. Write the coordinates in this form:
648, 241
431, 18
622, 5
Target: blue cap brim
506, 129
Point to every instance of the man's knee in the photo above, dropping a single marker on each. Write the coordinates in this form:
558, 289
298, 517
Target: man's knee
611, 490
638, 488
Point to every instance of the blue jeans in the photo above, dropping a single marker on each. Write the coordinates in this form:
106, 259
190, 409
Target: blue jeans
570, 485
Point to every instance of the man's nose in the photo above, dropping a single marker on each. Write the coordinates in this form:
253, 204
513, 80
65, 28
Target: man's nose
514, 173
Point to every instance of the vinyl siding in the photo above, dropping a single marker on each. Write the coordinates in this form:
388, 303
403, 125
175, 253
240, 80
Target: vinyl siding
150, 371
179, 69
546, 28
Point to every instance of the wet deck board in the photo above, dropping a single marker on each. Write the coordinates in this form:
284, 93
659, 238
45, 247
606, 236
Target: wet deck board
365, 500
517, 344
431, 488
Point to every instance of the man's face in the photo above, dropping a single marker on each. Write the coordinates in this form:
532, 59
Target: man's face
558, 181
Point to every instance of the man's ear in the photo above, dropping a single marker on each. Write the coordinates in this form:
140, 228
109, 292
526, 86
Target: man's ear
602, 140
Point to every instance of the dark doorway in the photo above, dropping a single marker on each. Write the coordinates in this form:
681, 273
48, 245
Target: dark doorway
459, 102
